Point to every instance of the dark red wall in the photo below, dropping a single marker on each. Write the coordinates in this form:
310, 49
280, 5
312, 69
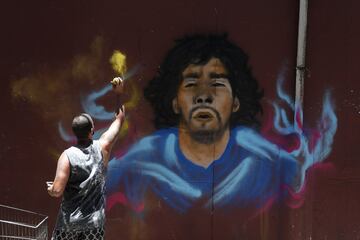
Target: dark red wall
40, 39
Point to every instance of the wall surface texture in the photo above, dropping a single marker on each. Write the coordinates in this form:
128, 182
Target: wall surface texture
286, 179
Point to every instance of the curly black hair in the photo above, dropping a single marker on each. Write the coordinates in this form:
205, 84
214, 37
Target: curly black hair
199, 49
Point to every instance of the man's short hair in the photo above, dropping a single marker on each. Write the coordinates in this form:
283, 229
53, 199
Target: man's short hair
82, 125
198, 50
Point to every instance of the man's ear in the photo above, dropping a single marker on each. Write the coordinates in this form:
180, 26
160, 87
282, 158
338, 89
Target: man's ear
91, 133
236, 105
175, 106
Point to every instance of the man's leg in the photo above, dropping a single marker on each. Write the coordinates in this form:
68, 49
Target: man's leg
64, 235
92, 234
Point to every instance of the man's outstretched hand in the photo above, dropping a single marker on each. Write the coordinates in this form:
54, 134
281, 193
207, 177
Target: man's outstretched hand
118, 85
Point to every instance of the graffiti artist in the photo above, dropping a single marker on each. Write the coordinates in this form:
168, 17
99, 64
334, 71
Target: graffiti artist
80, 179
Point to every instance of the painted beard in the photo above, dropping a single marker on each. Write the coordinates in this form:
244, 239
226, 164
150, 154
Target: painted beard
205, 136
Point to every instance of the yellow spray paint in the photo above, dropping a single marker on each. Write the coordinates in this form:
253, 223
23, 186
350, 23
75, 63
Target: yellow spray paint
118, 62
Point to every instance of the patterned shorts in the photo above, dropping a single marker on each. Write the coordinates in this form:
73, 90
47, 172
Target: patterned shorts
87, 234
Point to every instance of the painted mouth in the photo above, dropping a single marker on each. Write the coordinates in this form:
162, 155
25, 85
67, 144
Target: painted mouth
203, 116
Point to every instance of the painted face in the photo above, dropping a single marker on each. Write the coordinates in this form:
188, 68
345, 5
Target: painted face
204, 99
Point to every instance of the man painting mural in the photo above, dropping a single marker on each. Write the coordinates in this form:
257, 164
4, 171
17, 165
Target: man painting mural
80, 178
206, 153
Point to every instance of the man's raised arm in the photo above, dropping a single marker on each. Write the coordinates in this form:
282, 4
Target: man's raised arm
109, 137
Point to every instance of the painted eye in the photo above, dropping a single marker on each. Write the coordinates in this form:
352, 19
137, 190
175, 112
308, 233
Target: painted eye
218, 84
188, 85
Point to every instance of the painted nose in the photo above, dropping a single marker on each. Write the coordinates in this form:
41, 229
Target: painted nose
203, 99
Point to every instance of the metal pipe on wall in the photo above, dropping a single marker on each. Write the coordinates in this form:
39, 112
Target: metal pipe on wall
300, 59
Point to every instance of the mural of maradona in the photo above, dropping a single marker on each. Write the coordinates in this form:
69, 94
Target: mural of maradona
209, 148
